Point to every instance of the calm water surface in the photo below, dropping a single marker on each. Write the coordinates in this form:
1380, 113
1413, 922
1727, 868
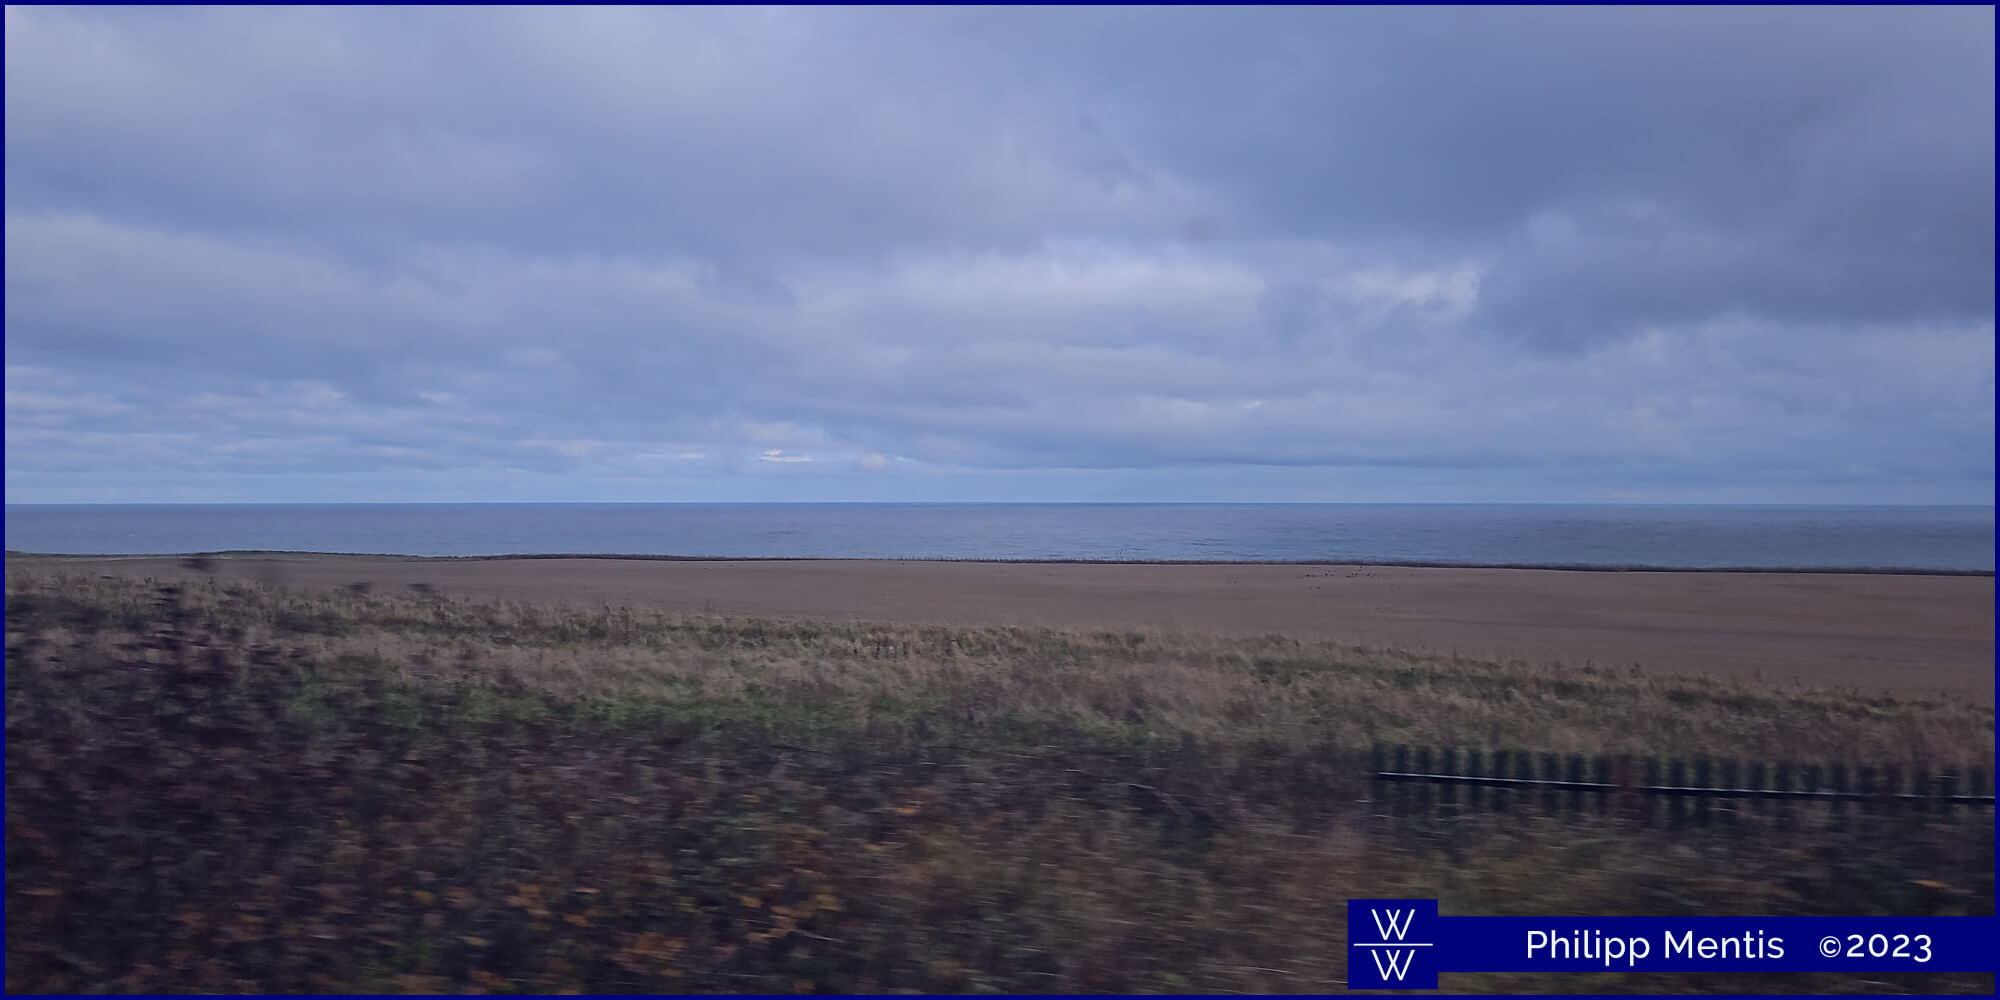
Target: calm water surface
1935, 538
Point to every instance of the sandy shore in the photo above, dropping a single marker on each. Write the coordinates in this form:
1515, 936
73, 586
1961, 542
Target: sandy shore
1864, 631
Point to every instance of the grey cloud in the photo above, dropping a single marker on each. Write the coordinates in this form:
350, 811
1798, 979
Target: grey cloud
1663, 251
1841, 161
719, 134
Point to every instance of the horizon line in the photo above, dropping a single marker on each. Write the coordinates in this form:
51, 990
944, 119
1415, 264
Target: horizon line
981, 503
1449, 564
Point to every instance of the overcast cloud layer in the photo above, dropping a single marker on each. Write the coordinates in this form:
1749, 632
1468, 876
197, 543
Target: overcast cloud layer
1677, 255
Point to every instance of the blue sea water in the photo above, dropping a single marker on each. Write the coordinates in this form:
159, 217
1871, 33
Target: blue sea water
1924, 538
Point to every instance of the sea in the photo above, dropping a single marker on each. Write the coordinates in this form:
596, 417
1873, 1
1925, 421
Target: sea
1959, 539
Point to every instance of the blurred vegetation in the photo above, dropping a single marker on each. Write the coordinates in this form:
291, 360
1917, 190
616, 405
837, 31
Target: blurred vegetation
234, 788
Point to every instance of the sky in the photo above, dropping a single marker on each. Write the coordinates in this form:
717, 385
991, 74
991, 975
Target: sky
1730, 255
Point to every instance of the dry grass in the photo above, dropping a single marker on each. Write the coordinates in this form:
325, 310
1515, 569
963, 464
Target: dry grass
233, 788
1145, 687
